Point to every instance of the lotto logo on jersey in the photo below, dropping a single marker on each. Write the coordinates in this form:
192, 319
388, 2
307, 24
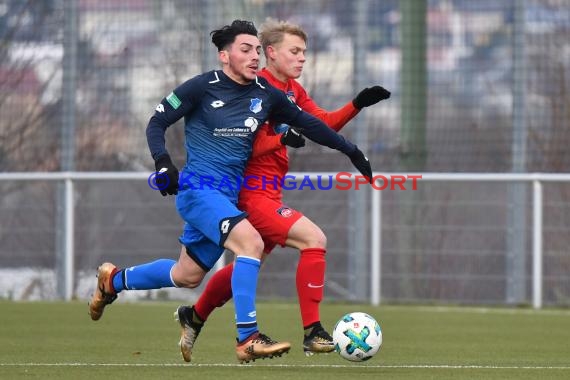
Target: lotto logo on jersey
217, 104
225, 226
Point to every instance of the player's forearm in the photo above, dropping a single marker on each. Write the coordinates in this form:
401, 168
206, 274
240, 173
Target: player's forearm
155, 131
336, 119
340, 117
317, 131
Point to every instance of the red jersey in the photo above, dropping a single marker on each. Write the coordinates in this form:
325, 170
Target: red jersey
269, 161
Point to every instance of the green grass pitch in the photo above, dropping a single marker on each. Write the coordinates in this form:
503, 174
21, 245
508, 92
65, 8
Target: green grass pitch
58, 340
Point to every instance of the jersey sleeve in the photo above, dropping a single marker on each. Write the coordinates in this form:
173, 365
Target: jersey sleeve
336, 119
314, 129
172, 108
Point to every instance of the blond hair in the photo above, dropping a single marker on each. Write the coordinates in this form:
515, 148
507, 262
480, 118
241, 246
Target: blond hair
273, 31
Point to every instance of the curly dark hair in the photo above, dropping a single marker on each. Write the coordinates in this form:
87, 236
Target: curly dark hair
227, 34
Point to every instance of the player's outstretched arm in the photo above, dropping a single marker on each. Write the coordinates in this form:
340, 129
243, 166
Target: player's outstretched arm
370, 96
338, 118
361, 162
315, 130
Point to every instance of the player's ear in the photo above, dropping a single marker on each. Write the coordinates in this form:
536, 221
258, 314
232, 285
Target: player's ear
270, 52
224, 56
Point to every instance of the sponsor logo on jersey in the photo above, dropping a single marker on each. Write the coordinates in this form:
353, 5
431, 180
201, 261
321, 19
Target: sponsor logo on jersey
217, 104
159, 108
173, 100
249, 126
251, 123
232, 132
285, 212
255, 105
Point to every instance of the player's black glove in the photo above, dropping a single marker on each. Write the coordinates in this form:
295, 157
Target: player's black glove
360, 161
166, 175
292, 138
370, 96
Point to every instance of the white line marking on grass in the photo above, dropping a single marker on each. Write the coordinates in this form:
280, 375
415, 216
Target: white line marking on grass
402, 366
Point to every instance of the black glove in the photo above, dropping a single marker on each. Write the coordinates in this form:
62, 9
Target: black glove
166, 177
292, 138
360, 162
370, 96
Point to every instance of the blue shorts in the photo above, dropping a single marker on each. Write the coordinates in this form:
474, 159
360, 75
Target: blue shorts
209, 217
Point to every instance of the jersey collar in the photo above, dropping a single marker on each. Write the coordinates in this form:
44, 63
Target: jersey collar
283, 86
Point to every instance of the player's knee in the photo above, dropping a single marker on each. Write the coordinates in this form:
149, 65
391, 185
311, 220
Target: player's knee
189, 283
185, 278
256, 245
316, 239
248, 242
321, 240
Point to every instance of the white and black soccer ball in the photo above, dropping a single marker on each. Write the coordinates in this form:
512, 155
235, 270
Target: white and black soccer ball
357, 337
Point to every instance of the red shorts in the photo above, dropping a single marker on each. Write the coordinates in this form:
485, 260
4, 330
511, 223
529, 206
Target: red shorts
272, 219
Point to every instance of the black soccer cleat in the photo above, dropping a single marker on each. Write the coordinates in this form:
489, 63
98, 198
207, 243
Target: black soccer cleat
318, 341
191, 325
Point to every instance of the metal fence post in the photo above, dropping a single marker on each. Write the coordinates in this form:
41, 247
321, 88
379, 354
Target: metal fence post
537, 245
64, 251
376, 248
69, 233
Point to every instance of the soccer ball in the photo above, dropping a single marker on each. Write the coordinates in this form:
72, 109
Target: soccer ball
357, 337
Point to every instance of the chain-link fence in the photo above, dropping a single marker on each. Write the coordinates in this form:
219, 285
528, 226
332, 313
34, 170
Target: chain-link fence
478, 86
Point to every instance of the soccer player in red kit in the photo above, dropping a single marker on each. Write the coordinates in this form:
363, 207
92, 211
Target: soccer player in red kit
284, 45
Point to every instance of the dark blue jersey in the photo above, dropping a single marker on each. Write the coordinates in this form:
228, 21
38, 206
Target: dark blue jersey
221, 117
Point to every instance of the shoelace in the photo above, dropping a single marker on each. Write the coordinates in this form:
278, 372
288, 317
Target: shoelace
191, 333
187, 319
189, 339
321, 335
108, 298
262, 338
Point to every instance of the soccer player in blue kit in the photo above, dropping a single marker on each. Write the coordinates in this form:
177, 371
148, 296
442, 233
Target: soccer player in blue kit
222, 109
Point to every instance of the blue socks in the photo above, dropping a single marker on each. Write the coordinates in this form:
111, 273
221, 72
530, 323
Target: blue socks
156, 275
244, 288
153, 275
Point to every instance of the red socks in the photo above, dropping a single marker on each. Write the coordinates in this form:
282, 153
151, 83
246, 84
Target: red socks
310, 283
310, 287
218, 291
